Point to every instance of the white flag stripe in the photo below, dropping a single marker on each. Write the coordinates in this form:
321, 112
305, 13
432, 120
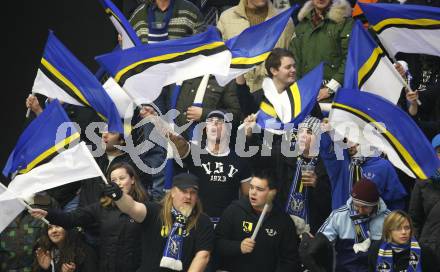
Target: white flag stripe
123, 102
384, 81
45, 86
422, 41
71, 165
146, 86
341, 121
126, 41
9, 209
232, 74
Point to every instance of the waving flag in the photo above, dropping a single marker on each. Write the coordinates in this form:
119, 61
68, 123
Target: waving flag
405, 28
253, 45
39, 158
62, 76
302, 96
368, 69
123, 27
394, 132
144, 70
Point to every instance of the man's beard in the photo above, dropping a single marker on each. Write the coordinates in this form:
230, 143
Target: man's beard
186, 210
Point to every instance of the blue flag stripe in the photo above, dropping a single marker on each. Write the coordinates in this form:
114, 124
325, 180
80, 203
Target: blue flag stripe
377, 13
112, 10
39, 141
115, 62
68, 69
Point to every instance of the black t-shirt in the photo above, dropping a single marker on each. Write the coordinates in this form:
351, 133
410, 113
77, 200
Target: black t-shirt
200, 238
220, 178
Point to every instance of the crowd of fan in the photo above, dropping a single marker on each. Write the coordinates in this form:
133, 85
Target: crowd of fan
321, 213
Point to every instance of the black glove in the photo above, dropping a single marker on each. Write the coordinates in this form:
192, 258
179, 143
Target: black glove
113, 191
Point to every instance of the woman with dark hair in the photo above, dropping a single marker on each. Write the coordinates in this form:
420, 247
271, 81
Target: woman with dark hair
398, 251
119, 247
60, 250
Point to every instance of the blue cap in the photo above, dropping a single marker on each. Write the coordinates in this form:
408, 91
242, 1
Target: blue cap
436, 141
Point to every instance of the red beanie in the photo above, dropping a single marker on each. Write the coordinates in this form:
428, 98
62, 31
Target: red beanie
365, 192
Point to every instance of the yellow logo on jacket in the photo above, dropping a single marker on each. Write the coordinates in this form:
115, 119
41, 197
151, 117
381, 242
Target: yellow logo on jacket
247, 226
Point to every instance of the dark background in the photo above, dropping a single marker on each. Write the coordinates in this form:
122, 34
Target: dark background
81, 25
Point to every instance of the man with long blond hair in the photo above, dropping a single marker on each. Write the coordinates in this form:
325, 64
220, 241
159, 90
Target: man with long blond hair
176, 225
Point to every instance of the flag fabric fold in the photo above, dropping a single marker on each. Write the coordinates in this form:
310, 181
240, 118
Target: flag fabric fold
47, 155
123, 27
405, 28
368, 69
144, 70
73, 164
40, 141
252, 46
62, 76
392, 131
302, 95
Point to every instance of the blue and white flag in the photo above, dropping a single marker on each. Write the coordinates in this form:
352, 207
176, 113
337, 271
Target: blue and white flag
405, 28
144, 70
252, 46
123, 27
61, 75
302, 96
47, 155
385, 127
368, 69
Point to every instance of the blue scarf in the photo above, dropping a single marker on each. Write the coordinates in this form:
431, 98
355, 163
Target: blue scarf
361, 225
385, 256
297, 203
172, 254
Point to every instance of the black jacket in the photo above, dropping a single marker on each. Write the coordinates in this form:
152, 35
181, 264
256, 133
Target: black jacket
400, 260
276, 247
119, 235
319, 198
424, 209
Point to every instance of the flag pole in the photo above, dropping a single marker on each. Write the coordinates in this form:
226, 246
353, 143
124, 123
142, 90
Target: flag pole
28, 207
28, 112
260, 221
393, 60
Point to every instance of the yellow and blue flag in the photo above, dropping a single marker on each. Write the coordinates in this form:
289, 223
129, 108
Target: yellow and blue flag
39, 141
368, 68
302, 96
144, 70
386, 127
252, 46
48, 155
405, 28
123, 27
61, 75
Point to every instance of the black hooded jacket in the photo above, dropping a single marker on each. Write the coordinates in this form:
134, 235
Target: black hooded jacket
276, 247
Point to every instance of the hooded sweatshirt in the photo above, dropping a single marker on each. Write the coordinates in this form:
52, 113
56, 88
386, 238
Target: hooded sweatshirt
276, 242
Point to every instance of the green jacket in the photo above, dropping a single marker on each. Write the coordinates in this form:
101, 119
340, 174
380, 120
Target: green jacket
327, 42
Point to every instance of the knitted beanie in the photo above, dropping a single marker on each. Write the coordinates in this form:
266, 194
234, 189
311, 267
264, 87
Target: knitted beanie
365, 193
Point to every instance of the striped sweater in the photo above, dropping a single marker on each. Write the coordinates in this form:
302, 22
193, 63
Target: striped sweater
185, 21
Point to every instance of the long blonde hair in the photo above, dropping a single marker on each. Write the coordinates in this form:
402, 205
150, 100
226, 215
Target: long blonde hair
167, 218
393, 221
